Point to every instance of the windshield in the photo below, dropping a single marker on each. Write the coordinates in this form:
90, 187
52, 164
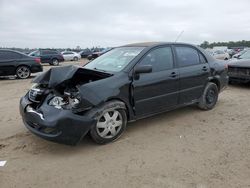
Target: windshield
114, 60
245, 55
34, 53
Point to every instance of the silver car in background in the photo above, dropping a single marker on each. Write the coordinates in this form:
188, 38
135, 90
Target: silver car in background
222, 55
71, 56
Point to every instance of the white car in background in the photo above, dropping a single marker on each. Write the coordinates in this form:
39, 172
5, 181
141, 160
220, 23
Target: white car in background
71, 56
219, 54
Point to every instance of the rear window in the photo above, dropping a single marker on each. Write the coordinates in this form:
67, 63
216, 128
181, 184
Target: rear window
9, 55
49, 52
187, 56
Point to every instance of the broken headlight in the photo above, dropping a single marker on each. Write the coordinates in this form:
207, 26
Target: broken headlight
70, 99
57, 102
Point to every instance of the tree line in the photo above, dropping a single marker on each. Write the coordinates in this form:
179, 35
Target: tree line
230, 44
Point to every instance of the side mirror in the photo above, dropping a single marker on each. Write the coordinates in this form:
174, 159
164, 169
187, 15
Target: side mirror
143, 69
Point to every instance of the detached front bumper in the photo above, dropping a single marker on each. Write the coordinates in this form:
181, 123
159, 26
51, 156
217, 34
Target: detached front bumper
53, 124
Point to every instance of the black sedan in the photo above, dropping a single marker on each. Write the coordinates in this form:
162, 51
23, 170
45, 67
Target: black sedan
16, 63
125, 84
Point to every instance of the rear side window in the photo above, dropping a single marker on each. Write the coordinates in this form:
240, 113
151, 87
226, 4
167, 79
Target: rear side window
160, 59
9, 55
187, 56
49, 52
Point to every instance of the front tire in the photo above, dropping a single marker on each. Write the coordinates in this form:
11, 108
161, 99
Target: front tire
23, 72
209, 98
111, 122
55, 62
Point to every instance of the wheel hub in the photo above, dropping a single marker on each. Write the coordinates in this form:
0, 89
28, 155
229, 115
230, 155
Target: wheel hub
109, 124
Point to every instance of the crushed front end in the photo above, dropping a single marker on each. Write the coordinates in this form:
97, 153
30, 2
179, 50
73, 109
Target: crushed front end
54, 123
54, 108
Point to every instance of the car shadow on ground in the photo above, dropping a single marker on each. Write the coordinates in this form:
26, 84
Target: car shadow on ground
3, 78
34, 144
240, 85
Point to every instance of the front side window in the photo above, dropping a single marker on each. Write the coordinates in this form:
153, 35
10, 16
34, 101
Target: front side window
114, 60
187, 56
160, 59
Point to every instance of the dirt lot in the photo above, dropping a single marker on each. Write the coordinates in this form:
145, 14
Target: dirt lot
183, 148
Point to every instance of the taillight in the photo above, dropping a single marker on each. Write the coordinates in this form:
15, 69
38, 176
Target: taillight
226, 66
38, 60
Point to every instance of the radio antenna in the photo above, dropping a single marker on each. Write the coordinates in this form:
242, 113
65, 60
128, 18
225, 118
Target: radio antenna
179, 36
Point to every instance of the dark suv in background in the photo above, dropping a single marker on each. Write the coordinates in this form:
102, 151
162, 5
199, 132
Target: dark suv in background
53, 57
19, 64
85, 53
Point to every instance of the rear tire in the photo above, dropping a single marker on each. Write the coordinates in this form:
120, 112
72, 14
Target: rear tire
209, 97
23, 72
111, 122
75, 59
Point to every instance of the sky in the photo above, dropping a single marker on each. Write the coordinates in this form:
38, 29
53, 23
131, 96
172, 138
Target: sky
106, 23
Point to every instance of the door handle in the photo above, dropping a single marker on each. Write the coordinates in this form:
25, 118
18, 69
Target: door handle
173, 74
204, 68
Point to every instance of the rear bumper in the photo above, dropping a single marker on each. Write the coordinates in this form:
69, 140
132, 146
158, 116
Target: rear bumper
38, 68
53, 124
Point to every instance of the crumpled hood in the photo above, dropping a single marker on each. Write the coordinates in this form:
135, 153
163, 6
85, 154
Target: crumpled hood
58, 75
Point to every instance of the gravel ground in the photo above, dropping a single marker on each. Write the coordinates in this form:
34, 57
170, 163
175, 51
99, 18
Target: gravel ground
183, 148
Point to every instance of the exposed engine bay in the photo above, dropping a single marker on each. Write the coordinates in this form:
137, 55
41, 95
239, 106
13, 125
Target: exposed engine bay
63, 85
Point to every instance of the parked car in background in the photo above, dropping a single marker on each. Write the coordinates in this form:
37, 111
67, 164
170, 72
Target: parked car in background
239, 71
125, 84
53, 57
19, 64
239, 68
71, 56
85, 53
97, 54
239, 54
245, 55
219, 54
220, 48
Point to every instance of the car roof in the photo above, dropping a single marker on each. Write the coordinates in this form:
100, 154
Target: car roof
8, 50
48, 49
151, 44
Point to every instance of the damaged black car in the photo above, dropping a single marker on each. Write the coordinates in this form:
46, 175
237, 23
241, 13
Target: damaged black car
123, 85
